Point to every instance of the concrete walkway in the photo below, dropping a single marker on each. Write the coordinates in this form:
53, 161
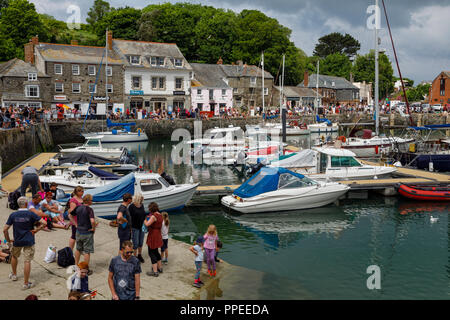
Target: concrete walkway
50, 279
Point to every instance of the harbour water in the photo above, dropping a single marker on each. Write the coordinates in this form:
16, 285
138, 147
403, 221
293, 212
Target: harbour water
316, 254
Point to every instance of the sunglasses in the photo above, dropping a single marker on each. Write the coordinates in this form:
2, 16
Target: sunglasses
129, 252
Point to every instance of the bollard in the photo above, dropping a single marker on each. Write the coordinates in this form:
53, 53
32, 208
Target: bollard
392, 123
419, 119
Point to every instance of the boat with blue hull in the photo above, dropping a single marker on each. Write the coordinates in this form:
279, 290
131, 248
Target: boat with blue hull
152, 186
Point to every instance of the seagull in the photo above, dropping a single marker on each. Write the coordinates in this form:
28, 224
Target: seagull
433, 219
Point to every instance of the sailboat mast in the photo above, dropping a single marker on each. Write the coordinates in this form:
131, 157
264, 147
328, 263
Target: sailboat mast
317, 90
377, 106
106, 75
262, 78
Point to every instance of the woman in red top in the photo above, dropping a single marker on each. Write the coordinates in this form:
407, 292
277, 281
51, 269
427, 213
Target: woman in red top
154, 238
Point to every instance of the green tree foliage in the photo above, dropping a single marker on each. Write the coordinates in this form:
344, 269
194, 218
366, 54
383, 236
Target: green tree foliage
336, 64
3, 4
364, 70
7, 49
418, 93
20, 22
98, 10
337, 43
52, 28
123, 22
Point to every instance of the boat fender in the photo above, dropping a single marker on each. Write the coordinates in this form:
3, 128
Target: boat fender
430, 166
376, 149
342, 138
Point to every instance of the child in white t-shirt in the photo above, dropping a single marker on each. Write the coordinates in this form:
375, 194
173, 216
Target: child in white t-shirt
165, 237
197, 249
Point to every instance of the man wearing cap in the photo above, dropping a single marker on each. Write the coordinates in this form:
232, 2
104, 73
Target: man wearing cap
30, 177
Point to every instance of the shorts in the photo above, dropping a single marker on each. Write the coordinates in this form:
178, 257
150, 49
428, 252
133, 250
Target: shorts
124, 236
165, 245
74, 233
137, 236
28, 252
53, 214
85, 242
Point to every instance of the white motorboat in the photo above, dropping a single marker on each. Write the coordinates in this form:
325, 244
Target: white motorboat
93, 145
69, 177
367, 147
275, 129
119, 136
278, 189
323, 127
221, 137
332, 163
152, 186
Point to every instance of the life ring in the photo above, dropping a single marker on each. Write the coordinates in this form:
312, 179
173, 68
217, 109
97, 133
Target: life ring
293, 123
342, 138
303, 126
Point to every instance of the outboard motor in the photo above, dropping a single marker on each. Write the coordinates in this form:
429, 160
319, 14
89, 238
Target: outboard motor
254, 168
168, 178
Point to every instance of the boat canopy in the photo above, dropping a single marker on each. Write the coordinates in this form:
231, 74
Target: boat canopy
84, 157
104, 175
303, 158
110, 124
328, 122
265, 180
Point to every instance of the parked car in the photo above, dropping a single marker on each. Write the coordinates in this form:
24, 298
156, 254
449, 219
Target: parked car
426, 108
437, 107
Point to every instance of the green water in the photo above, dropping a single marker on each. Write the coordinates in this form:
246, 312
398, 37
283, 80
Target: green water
321, 253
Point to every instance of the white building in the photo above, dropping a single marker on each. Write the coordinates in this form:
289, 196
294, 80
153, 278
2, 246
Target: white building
365, 92
157, 76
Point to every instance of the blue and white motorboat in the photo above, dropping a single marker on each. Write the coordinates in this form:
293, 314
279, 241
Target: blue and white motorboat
152, 186
119, 136
278, 189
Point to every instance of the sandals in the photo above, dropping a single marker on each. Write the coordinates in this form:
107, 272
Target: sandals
28, 286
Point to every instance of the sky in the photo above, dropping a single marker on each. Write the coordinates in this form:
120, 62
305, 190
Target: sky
421, 29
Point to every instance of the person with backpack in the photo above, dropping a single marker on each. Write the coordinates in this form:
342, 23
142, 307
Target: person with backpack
23, 222
85, 225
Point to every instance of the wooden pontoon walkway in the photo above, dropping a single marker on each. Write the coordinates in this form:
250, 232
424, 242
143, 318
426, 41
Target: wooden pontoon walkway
13, 178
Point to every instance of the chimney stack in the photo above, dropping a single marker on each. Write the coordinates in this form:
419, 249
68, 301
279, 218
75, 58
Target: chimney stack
109, 39
306, 79
220, 61
29, 49
74, 42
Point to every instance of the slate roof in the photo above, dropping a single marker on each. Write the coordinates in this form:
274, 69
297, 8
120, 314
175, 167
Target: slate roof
235, 71
292, 92
209, 76
327, 81
75, 53
126, 48
18, 68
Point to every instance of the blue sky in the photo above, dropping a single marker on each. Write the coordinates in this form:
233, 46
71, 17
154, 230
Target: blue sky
420, 28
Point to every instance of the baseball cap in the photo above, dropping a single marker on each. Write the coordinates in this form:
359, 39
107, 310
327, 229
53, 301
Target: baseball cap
200, 239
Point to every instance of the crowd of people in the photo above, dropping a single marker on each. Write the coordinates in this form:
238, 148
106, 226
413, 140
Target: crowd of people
44, 213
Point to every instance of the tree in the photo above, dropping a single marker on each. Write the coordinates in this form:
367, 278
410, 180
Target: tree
123, 22
52, 28
7, 48
3, 4
20, 22
98, 10
336, 64
337, 43
364, 70
146, 30
418, 93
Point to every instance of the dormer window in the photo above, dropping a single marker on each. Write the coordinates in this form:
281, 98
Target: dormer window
32, 76
333, 84
178, 62
157, 61
135, 60
325, 83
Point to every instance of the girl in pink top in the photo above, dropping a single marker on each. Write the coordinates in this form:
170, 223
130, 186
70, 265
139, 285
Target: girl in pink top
210, 246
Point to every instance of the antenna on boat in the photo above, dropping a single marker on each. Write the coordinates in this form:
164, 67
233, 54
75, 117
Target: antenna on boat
106, 74
317, 90
262, 78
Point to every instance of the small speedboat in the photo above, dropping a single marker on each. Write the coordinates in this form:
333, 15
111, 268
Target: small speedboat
123, 135
279, 189
152, 186
429, 193
93, 145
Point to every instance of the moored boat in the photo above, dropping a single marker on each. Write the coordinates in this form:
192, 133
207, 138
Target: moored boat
279, 189
429, 193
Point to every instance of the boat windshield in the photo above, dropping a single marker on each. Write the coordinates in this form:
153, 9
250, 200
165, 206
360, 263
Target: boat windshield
92, 143
82, 174
289, 181
344, 162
